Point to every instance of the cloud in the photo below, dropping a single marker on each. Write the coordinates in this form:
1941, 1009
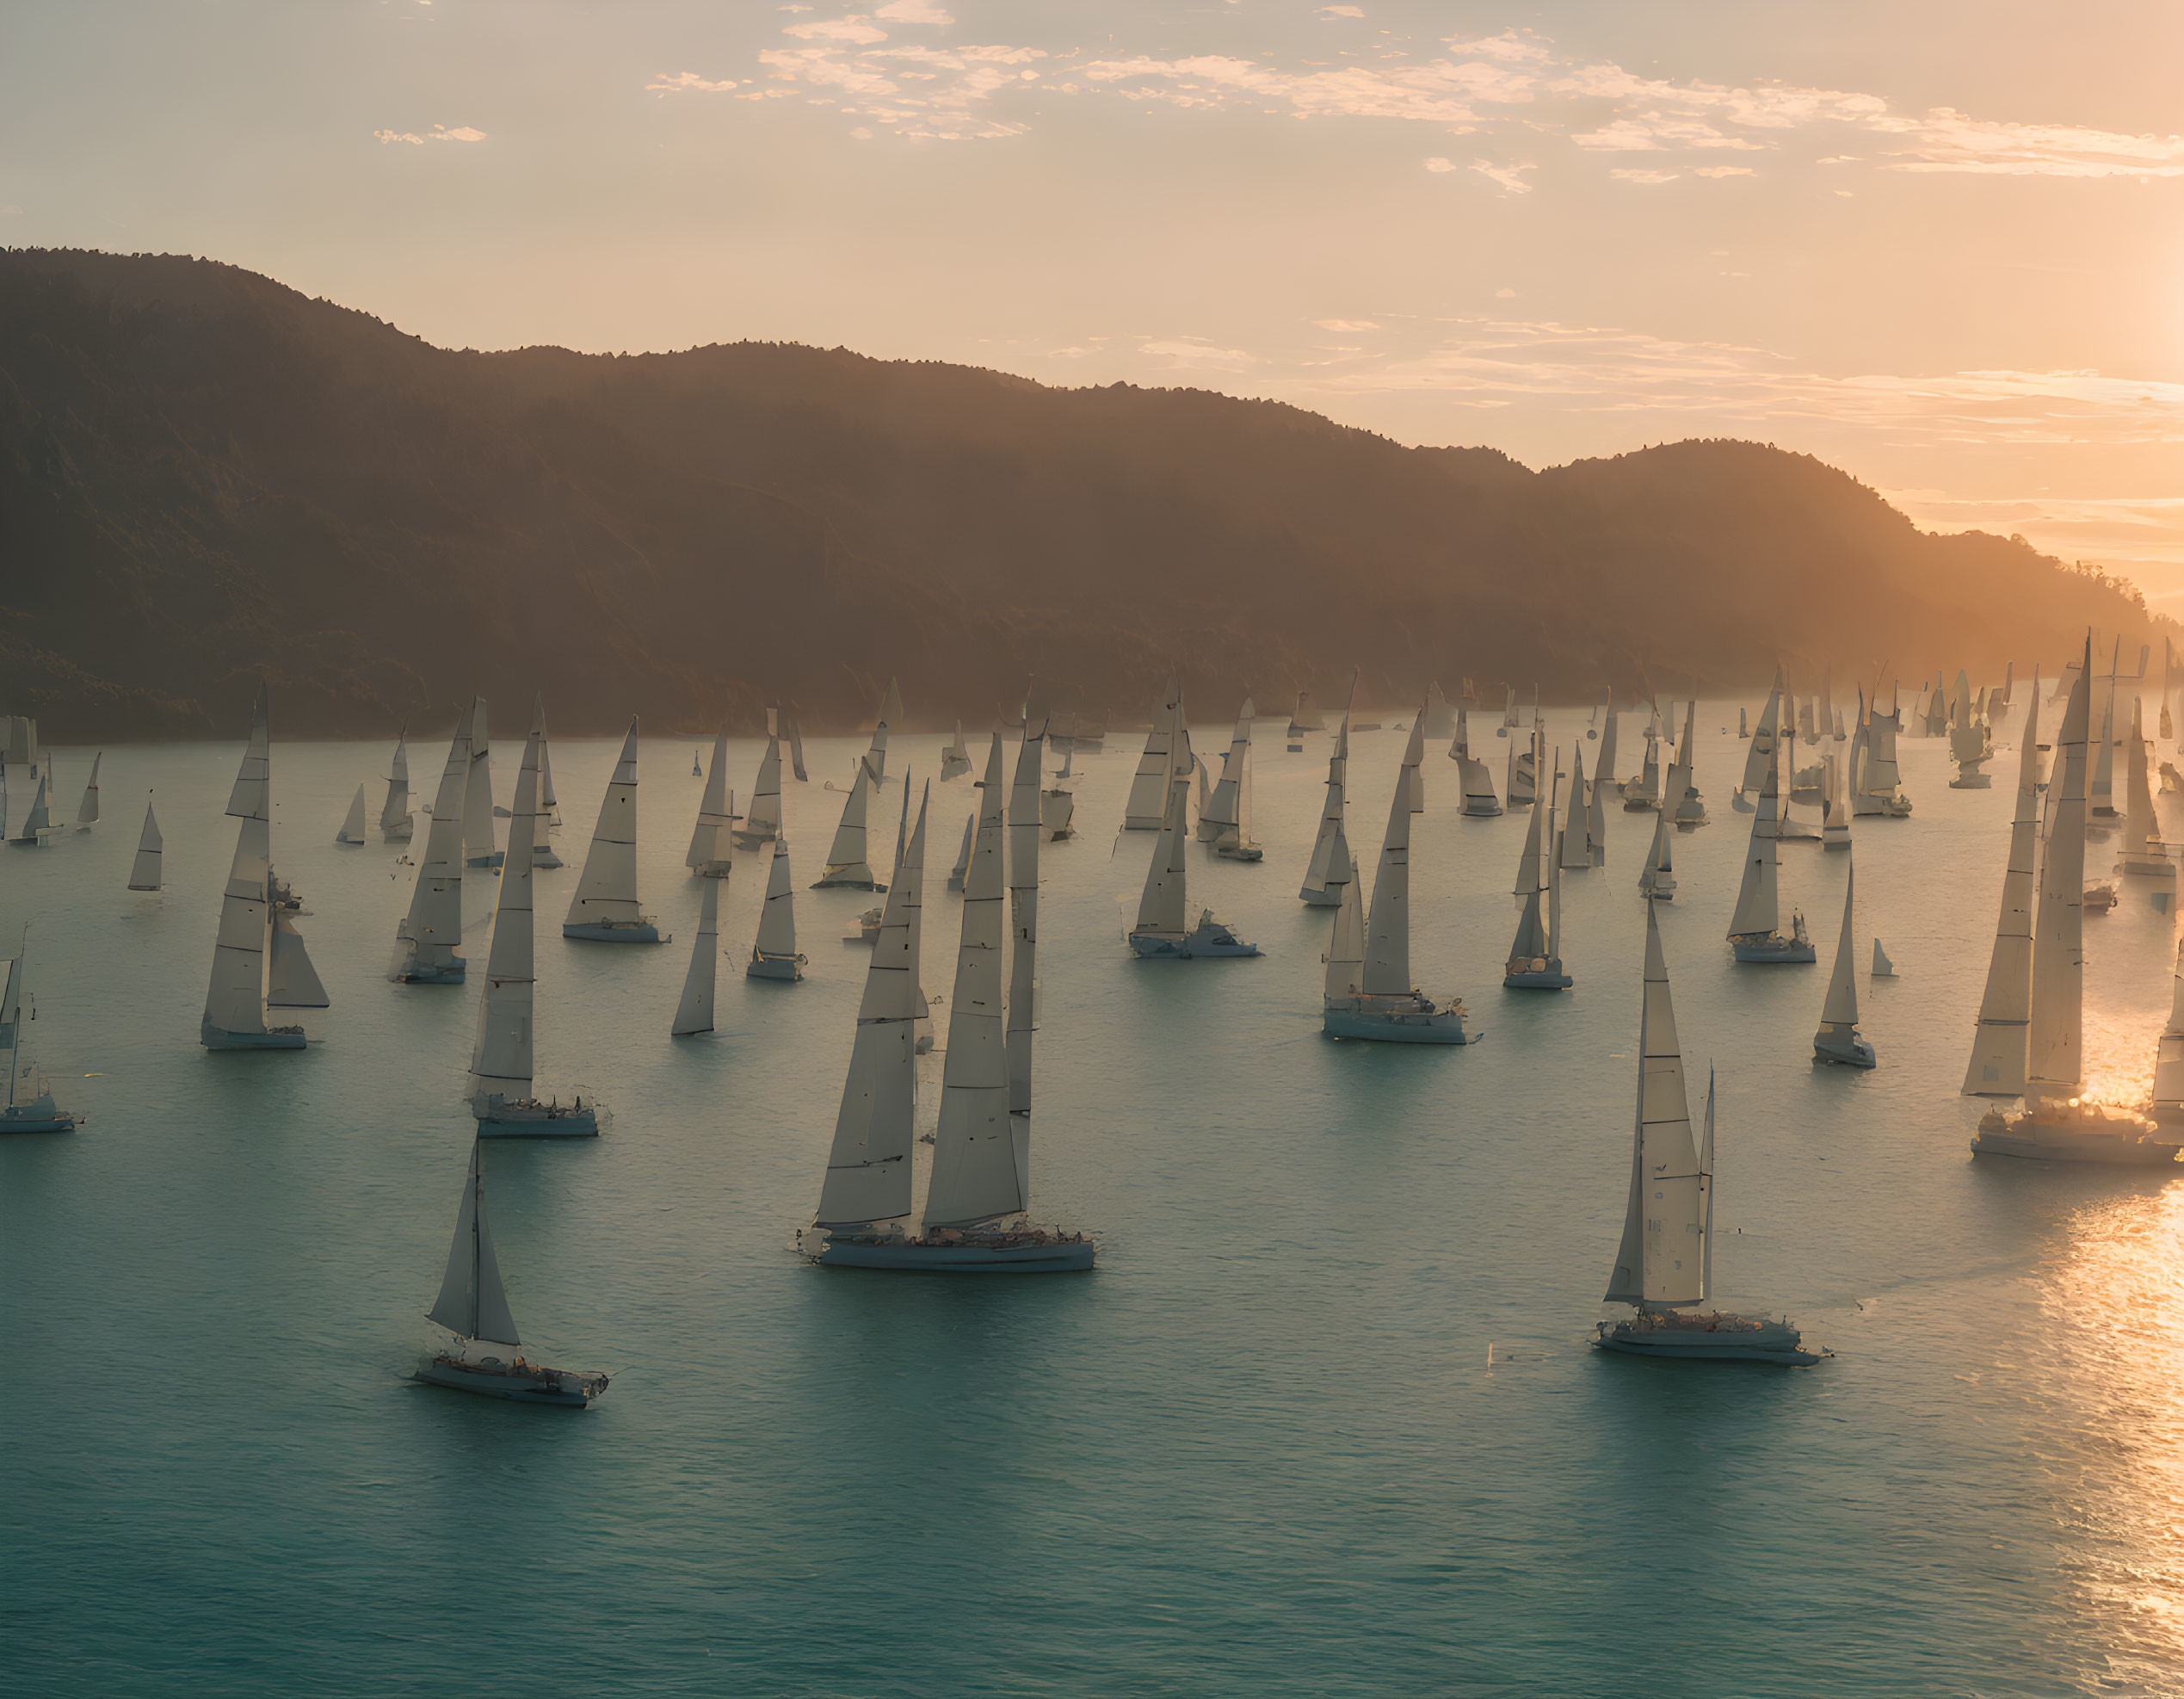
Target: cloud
1195, 354
461, 133
1626, 174
1723, 171
1515, 83
687, 82
1508, 176
1346, 325
1438, 164
1505, 294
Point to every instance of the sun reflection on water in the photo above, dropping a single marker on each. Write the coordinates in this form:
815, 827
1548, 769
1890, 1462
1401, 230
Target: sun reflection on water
2115, 1302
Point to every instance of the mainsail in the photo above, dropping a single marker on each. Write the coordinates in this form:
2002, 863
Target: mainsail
144, 875
2055, 1035
1664, 1259
434, 925
607, 893
472, 1300
500, 1060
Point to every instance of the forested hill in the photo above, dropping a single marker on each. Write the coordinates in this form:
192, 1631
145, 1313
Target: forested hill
206, 478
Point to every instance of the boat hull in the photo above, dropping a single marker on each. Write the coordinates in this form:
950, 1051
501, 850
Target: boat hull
782, 968
2097, 1140
1730, 1339
599, 932
1774, 948
453, 974
1547, 976
1850, 1053
497, 1119
571, 1391
1321, 899
1147, 947
970, 1257
1397, 1026
274, 1038
42, 1115
751, 840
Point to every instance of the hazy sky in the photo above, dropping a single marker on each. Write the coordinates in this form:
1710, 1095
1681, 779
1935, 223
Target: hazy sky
1938, 243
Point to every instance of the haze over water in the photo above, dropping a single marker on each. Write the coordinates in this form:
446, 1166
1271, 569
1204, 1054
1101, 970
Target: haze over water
1262, 1449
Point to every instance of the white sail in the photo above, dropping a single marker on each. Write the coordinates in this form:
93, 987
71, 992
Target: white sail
1573, 853
961, 870
2169, 1053
1221, 816
1680, 797
1760, 757
709, 846
394, 813
1535, 922
542, 854
1663, 1258
1604, 767
1441, 718
2101, 795
1307, 716
291, 980
1841, 1009
352, 830
890, 715
1345, 950
87, 811
1758, 907
472, 1300
1387, 940
1148, 802
2141, 830
478, 848
38, 820
1162, 907
607, 893
846, 860
1835, 803
435, 926
1330, 817
1531, 866
501, 1059
777, 915
144, 875
1026, 833
868, 1169
693, 1014
976, 1176
763, 820
235, 999
1657, 877
2055, 1039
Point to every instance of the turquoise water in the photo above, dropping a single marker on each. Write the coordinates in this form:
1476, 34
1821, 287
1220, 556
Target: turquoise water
1261, 1450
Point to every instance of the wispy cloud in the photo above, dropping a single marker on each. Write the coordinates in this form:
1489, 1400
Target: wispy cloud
1510, 177
1515, 82
1183, 354
461, 133
688, 82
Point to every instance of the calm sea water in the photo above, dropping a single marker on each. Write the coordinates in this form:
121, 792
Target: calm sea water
1261, 1450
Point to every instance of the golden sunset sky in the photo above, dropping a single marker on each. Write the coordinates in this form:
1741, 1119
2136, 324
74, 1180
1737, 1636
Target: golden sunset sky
1939, 243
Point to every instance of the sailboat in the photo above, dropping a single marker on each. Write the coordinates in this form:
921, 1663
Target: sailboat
1317, 892
2057, 1123
2143, 853
485, 1357
1657, 878
27, 1105
542, 852
396, 825
1882, 968
38, 824
774, 955
955, 759
1834, 805
1743, 724
1838, 1038
1603, 783
1643, 792
1754, 934
2167, 1107
1149, 787
762, 823
1523, 781
1971, 742
1761, 755
1305, 717
427, 939
352, 832
961, 870
1226, 821
291, 980
2102, 794
1163, 932
1368, 991
1573, 851
1057, 811
875, 759
143, 874
1680, 797
1665, 1263
235, 1000
708, 855
478, 848
87, 811
1881, 791
605, 908
846, 868
501, 1096
980, 1186
1481, 801
1535, 954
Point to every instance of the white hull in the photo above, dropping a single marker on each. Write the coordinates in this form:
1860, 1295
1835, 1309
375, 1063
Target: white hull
500, 1119
1773, 946
1402, 1022
2112, 1142
1850, 1053
1724, 1338
604, 932
274, 1038
964, 1254
773, 967
1546, 976
524, 1384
